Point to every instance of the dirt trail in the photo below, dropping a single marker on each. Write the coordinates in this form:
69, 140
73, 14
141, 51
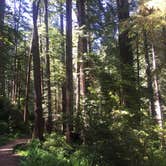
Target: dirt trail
7, 158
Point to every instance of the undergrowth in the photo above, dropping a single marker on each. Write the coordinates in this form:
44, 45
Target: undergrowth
54, 152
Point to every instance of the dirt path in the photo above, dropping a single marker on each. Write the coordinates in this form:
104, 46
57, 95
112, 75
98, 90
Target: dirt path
7, 158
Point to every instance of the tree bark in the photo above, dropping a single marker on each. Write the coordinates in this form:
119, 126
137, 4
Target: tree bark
16, 62
2, 65
64, 63
49, 123
69, 68
26, 110
39, 122
82, 49
129, 94
149, 75
158, 112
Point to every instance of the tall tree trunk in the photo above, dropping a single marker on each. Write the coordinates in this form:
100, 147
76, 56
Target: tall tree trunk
69, 68
42, 59
138, 69
152, 80
49, 123
2, 65
158, 112
17, 14
63, 61
39, 122
149, 75
129, 92
28, 73
82, 49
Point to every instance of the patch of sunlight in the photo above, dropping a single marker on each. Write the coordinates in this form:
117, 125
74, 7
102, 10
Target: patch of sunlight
157, 5
6, 149
22, 153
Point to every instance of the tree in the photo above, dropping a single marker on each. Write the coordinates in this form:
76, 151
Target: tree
63, 62
2, 66
39, 122
148, 73
82, 50
27, 91
149, 33
129, 95
157, 104
82, 46
49, 124
69, 69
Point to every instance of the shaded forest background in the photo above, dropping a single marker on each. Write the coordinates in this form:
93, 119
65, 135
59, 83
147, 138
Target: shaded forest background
92, 73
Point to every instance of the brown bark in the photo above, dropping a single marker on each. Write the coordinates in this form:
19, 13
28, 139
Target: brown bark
39, 122
129, 94
82, 49
49, 127
63, 61
2, 65
26, 110
69, 68
16, 62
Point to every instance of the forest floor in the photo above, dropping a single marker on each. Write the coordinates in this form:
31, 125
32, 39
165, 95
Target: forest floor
7, 157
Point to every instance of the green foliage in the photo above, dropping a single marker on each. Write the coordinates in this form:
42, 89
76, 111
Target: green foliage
38, 156
11, 119
117, 144
54, 151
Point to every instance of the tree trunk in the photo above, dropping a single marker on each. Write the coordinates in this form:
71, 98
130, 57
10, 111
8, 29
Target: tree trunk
16, 58
82, 48
39, 122
63, 61
26, 110
149, 75
2, 65
158, 112
69, 68
49, 123
129, 93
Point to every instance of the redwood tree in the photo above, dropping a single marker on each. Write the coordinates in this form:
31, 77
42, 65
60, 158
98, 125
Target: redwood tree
69, 68
82, 44
63, 62
2, 65
39, 122
129, 97
49, 126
